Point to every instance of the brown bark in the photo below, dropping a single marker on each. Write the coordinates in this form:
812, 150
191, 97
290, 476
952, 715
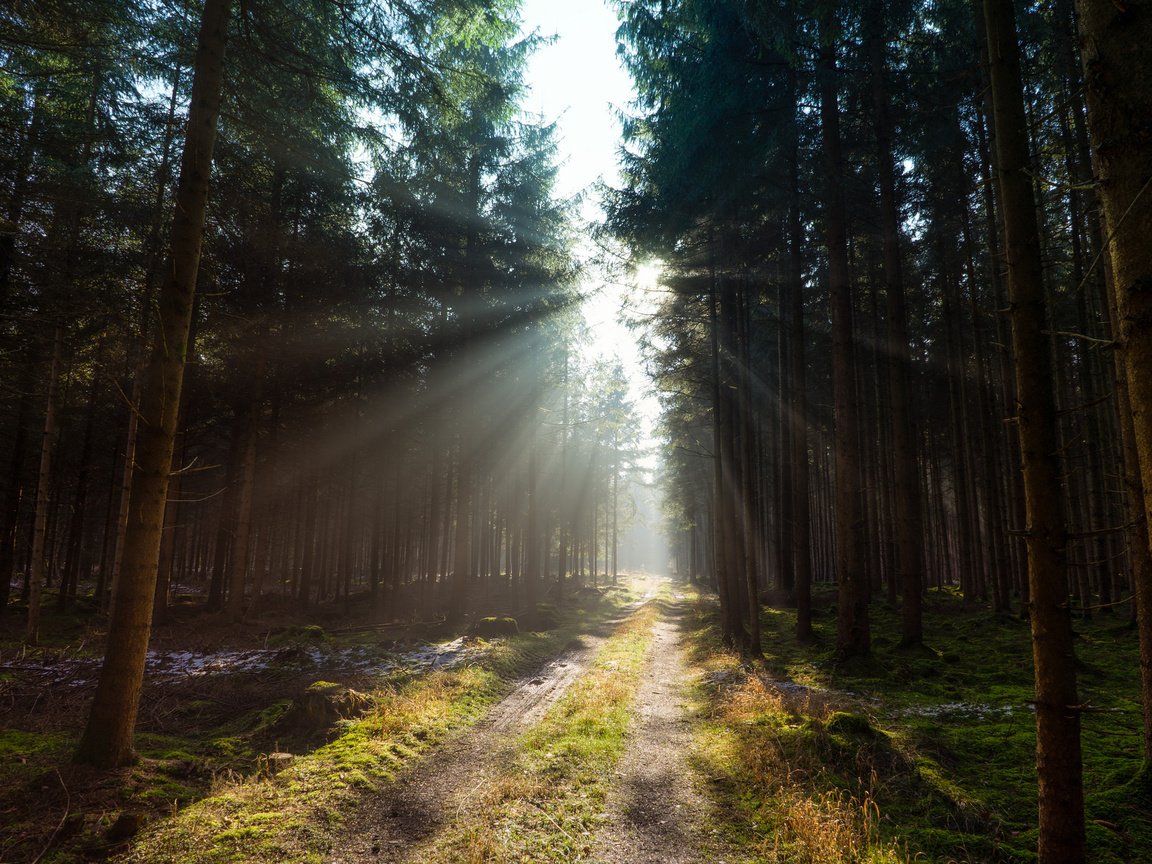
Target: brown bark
853, 637
1058, 761
10, 515
729, 624
38, 562
1116, 48
246, 480
108, 737
1136, 533
748, 502
457, 607
798, 527
155, 251
73, 544
909, 565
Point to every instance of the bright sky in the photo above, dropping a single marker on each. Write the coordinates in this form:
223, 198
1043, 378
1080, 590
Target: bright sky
577, 82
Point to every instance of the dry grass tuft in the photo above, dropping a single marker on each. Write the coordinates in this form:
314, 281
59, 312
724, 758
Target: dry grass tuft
768, 747
827, 828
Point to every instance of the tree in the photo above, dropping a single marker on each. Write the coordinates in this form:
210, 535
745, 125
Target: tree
1058, 762
109, 734
853, 637
908, 571
1117, 56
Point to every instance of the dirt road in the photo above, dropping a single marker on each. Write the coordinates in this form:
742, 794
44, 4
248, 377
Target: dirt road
653, 811
656, 812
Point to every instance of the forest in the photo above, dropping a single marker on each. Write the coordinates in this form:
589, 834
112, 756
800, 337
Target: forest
330, 530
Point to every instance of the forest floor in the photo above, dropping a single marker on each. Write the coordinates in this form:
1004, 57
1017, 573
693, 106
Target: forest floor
517, 786
625, 733
303, 744
657, 811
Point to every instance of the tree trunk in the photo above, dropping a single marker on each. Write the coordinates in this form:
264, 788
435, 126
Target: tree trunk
245, 477
74, 538
909, 565
853, 637
792, 317
109, 735
10, 515
1136, 532
36, 572
1117, 53
1058, 762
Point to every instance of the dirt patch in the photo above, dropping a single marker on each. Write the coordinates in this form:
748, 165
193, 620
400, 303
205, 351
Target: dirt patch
655, 813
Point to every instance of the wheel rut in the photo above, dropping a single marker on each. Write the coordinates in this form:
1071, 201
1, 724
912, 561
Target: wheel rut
655, 811
393, 825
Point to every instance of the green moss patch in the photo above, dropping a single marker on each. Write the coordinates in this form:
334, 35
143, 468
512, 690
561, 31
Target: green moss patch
937, 741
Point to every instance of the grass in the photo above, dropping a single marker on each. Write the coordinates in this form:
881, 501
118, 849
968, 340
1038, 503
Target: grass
546, 806
923, 754
266, 817
208, 789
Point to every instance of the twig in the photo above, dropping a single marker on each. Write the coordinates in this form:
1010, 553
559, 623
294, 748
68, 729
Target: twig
1119, 602
1082, 336
60, 824
1100, 532
1084, 406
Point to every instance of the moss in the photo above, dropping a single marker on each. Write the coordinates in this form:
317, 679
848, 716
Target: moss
939, 844
230, 748
307, 634
18, 743
941, 737
846, 723
495, 627
268, 718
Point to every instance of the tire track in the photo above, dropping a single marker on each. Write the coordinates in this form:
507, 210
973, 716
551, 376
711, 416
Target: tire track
654, 814
393, 824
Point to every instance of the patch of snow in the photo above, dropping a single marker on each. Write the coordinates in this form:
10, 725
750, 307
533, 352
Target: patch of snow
975, 710
161, 665
441, 655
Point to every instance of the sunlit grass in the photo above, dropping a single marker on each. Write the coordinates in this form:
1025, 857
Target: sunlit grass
769, 756
297, 813
923, 755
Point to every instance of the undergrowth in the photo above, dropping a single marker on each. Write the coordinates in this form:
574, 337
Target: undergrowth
922, 754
